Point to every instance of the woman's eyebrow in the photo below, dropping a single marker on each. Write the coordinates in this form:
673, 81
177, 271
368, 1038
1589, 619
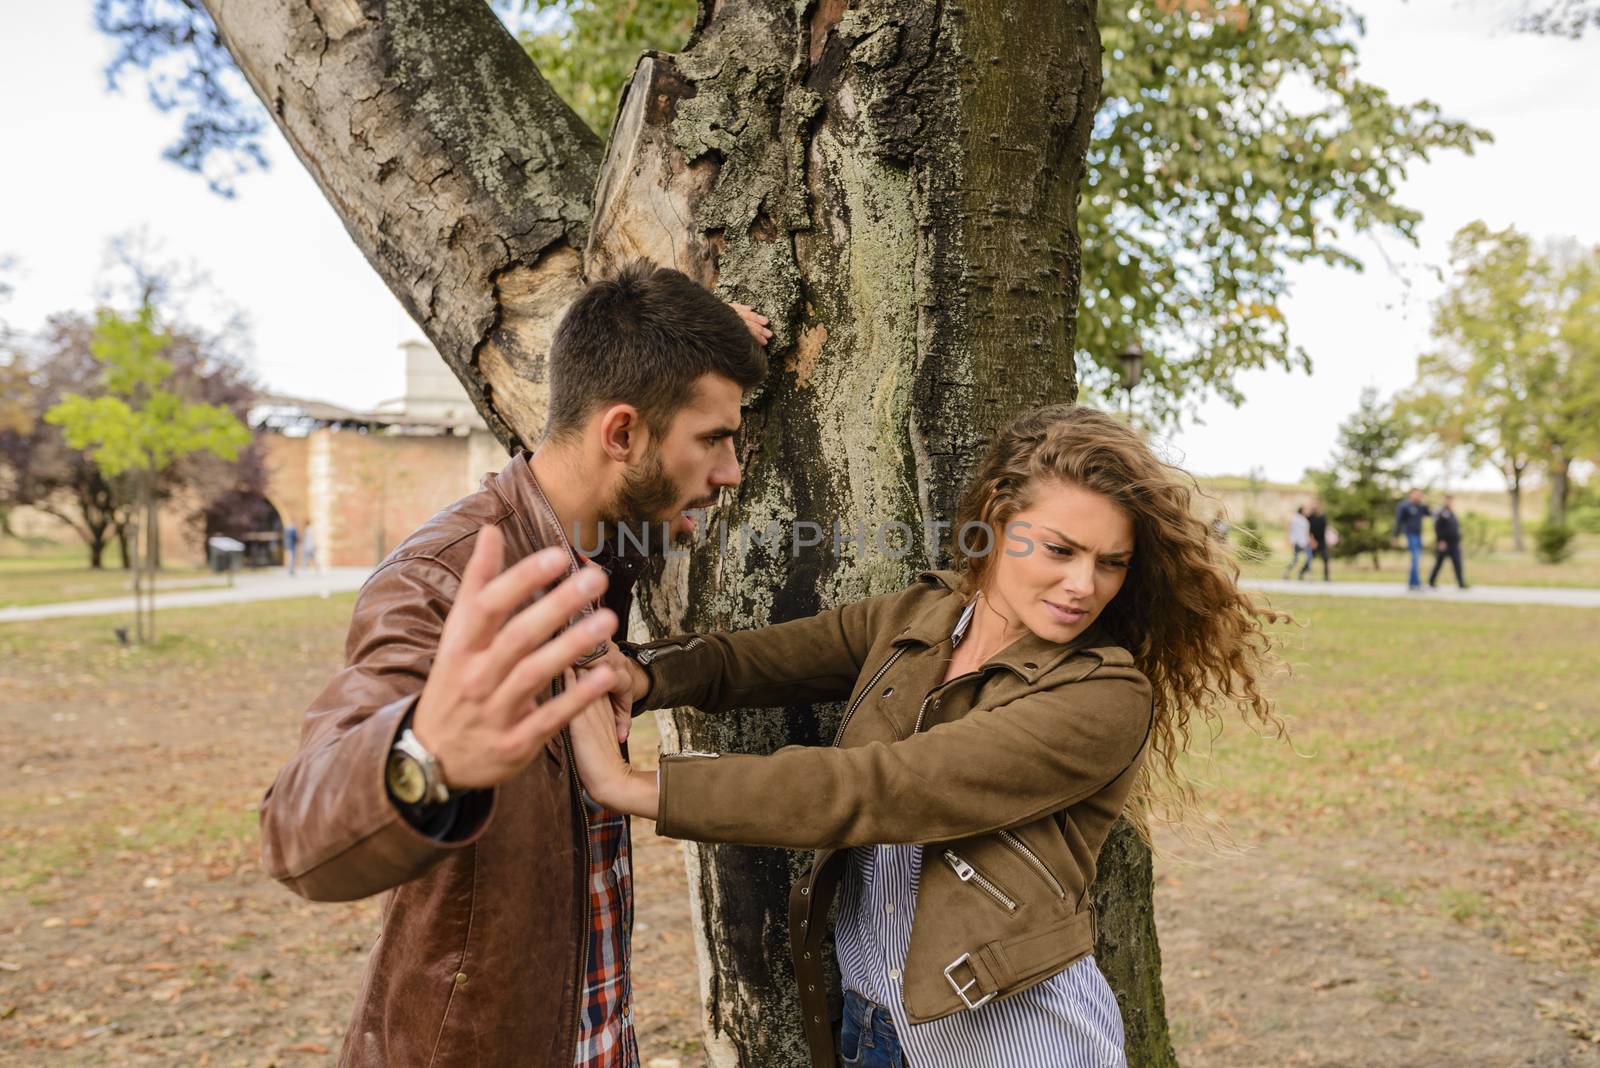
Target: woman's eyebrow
1084, 548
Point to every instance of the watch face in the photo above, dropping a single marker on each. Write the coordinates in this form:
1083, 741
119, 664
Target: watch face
406, 781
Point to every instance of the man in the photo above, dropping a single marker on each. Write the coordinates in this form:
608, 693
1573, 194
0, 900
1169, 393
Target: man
1299, 540
1317, 538
1408, 517
435, 767
291, 546
1447, 542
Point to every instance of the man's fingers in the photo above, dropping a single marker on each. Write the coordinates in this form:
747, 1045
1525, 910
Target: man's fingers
462, 625
526, 736
487, 553
524, 579
535, 624
533, 672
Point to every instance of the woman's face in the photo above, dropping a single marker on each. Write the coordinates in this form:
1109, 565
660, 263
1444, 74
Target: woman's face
1061, 562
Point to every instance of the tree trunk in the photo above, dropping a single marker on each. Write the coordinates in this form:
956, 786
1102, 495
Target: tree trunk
894, 184
1514, 490
1560, 484
122, 545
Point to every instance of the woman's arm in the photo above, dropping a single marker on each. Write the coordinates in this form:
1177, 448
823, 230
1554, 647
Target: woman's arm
991, 769
607, 778
803, 661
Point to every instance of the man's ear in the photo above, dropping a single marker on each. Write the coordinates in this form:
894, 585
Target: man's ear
623, 435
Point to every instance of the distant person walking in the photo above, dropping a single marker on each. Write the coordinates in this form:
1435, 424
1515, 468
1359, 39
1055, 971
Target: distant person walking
1408, 517
1317, 522
1447, 542
291, 547
308, 549
1299, 539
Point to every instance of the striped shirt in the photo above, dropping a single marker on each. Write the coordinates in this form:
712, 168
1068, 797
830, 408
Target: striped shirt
1070, 1020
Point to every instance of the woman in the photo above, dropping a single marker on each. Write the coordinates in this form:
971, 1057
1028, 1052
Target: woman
999, 719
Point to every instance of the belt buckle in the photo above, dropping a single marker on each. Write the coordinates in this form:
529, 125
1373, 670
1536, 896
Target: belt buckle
960, 989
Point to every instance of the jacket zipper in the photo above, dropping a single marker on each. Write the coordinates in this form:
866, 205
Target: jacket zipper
1033, 861
968, 874
862, 696
646, 657
588, 863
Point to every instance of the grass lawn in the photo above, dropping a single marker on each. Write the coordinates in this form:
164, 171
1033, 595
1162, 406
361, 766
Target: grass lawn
1472, 730
1489, 569
47, 573
1440, 793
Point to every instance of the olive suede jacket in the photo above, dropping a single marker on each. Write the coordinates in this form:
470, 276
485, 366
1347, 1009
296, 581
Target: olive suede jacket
1010, 775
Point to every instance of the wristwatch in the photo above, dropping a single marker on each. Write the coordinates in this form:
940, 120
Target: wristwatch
413, 774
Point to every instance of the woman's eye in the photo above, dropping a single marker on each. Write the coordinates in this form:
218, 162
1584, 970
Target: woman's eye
1059, 550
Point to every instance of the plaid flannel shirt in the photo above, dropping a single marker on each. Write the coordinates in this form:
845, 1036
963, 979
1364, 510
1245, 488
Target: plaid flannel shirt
605, 1030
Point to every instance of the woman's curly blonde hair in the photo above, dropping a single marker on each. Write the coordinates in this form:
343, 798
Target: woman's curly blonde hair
1199, 639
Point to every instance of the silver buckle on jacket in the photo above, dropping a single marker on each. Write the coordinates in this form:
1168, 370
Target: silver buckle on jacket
960, 989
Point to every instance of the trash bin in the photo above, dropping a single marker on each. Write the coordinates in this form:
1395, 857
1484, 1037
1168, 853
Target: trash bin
224, 553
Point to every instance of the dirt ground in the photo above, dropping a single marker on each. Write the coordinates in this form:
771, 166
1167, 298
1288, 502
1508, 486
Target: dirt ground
137, 929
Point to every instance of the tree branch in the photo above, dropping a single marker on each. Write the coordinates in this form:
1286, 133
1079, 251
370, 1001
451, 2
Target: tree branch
459, 173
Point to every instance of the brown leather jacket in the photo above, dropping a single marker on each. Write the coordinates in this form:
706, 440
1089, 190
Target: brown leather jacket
1010, 775
481, 955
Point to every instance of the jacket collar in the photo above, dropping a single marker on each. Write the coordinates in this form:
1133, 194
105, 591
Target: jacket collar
519, 486
1030, 656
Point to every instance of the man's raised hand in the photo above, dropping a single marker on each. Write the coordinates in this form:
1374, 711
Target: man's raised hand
479, 713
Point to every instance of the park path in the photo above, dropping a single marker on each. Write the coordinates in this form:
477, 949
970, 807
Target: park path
1570, 597
249, 586
278, 585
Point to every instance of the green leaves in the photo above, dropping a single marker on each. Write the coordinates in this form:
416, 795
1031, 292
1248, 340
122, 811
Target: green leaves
1230, 144
1515, 378
591, 50
1361, 486
137, 424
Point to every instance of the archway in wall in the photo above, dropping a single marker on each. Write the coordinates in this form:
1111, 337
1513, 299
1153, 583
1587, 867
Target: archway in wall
252, 519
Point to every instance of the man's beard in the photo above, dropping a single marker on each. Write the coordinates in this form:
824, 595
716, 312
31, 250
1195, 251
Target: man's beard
640, 513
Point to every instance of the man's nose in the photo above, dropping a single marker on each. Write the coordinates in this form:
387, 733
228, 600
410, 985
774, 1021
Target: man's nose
726, 472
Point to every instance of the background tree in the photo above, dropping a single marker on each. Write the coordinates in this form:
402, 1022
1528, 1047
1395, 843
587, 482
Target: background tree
1514, 382
1571, 375
139, 426
1365, 478
41, 470
1557, 18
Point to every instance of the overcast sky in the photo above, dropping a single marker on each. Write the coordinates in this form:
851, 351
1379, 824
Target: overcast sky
82, 164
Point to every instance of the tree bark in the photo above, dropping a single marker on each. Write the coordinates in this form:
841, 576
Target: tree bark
1514, 490
457, 171
894, 184
1559, 471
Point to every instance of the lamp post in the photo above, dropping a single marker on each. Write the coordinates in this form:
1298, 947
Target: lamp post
1132, 370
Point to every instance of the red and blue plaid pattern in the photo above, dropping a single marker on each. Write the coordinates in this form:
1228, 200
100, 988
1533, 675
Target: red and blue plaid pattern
605, 1021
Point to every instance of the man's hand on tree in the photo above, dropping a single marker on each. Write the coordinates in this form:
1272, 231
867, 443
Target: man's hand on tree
754, 321
479, 714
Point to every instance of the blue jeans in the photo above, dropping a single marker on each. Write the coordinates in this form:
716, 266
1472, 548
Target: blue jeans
1414, 547
866, 1037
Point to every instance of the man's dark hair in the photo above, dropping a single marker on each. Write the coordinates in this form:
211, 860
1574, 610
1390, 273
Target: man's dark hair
642, 338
